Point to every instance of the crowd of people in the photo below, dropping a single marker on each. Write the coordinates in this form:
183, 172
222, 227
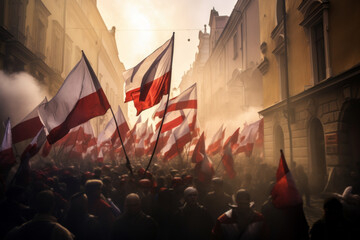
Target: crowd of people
108, 202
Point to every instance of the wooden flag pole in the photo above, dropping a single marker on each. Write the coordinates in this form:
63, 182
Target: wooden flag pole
128, 164
166, 106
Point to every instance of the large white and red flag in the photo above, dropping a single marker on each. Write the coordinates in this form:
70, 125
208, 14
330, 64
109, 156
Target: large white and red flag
148, 81
79, 99
216, 142
171, 121
110, 130
7, 158
232, 141
284, 193
28, 127
186, 100
249, 136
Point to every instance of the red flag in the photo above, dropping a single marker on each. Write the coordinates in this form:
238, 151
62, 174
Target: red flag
186, 100
148, 81
7, 158
204, 170
46, 149
100, 157
79, 99
171, 121
228, 162
199, 151
216, 142
28, 127
232, 140
285, 194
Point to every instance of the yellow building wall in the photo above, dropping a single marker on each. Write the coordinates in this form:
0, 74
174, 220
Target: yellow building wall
344, 34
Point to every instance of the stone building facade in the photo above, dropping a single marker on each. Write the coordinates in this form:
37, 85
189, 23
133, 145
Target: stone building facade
45, 38
316, 100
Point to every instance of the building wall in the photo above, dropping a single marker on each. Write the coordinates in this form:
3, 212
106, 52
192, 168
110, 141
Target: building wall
69, 27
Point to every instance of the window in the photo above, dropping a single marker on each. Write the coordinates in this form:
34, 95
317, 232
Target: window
316, 23
235, 40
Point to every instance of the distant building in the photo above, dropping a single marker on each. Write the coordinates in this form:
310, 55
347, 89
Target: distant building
45, 39
319, 97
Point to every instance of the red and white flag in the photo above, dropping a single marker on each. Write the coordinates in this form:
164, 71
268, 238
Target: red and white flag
141, 130
199, 151
79, 99
100, 157
171, 121
284, 193
35, 145
186, 100
7, 158
248, 137
204, 170
228, 162
28, 127
216, 142
110, 131
232, 140
148, 81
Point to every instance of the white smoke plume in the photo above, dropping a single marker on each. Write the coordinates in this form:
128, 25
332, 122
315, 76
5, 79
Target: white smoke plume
19, 94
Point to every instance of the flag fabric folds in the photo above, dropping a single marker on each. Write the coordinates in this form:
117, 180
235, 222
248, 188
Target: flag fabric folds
250, 135
199, 150
7, 158
204, 170
232, 140
216, 142
28, 127
171, 121
186, 100
284, 193
79, 99
228, 162
147, 82
34, 146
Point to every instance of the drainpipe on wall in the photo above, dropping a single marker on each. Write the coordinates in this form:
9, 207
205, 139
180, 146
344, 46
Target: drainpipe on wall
289, 111
63, 51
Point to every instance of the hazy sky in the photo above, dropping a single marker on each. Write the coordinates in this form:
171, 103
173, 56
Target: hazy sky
144, 25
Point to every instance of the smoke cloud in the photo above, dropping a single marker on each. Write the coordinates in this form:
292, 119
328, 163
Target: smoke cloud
20, 93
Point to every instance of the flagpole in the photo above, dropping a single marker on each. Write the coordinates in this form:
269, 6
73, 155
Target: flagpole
128, 164
166, 106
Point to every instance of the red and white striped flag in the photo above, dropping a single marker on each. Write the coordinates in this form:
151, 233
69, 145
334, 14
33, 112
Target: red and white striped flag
248, 137
204, 170
28, 127
79, 99
284, 193
110, 131
216, 142
171, 121
7, 158
148, 81
228, 162
232, 140
199, 151
35, 145
186, 100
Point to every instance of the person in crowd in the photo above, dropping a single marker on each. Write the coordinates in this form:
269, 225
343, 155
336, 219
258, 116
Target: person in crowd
240, 222
332, 225
134, 223
303, 183
82, 224
44, 225
217, 202
194, 221
98, 207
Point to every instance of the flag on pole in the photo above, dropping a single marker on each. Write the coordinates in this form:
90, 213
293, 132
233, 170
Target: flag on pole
34, 146
284, 193
204, 170
28, 127
248, 137
232, 140
79, 99
228, 162
186, 100
216, 142
7, 158
147, 82
110, 131
199, 151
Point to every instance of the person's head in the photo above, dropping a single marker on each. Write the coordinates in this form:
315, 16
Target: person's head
79, 202
132, 204
217, 184
45, 202
190, 195
242, 199
333, 209
93, 188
